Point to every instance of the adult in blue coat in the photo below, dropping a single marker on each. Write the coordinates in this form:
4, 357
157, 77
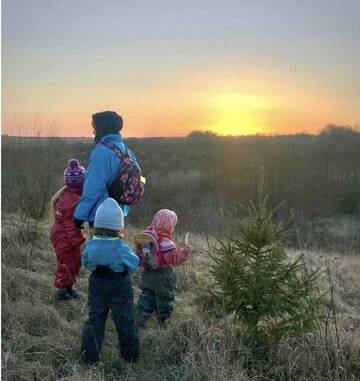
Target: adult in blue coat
103, 166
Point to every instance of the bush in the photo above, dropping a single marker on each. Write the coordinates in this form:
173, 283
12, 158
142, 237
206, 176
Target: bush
255, 282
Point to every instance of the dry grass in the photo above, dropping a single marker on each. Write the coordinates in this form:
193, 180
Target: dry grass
40, 336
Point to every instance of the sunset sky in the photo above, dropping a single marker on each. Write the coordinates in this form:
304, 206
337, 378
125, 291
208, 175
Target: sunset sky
170, 67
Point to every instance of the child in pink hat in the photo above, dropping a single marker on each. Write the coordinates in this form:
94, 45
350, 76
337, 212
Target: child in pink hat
158, 282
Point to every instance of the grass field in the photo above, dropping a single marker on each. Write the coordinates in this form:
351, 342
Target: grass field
41, 337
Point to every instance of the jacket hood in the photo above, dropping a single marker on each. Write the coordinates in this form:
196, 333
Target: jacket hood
103, 131
106, 122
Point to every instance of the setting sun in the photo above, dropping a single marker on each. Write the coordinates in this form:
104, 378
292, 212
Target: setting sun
238, 114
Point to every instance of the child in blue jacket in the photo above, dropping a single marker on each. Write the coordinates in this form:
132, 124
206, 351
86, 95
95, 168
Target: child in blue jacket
110, 288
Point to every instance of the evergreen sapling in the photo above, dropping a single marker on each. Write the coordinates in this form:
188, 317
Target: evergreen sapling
255, 282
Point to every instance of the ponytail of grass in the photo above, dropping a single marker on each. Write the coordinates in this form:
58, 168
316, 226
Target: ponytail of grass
55, 199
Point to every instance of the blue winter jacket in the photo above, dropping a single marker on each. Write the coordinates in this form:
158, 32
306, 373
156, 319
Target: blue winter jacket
102, 170
111, 252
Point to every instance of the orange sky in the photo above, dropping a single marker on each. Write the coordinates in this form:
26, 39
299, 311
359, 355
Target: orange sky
238, 69
227, 103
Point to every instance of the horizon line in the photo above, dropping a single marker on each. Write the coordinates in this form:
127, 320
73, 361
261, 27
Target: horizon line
165, 137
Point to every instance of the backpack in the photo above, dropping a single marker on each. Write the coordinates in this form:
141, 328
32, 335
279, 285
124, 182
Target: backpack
148, 249
128, 186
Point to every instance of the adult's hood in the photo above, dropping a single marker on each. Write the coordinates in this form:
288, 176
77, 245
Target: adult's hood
106, 122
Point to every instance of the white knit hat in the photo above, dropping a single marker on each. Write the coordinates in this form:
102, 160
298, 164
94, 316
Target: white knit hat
109, 215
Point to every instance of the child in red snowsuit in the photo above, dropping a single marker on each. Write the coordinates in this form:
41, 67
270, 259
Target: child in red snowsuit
65, 237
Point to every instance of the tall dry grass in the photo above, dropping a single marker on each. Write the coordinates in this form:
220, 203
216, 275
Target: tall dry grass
41, 336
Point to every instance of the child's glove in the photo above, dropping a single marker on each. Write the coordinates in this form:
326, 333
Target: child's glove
78, 223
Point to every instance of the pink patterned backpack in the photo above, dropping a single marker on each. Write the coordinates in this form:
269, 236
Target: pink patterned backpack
128, 186
147, 249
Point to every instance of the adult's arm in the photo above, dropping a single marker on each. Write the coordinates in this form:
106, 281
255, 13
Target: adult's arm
98, 174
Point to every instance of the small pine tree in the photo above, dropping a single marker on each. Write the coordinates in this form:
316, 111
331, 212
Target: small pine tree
257, 284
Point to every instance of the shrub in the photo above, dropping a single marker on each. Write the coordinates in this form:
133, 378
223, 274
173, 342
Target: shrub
256, 283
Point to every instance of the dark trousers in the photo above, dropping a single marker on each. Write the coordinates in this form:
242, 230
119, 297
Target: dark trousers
157, 294
110, 293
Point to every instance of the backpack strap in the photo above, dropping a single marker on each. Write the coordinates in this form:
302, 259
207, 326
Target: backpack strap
116, 149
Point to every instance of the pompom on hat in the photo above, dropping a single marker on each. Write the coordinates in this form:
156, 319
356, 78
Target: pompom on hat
74, 174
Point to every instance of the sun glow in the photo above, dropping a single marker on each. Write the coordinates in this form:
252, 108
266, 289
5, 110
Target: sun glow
237, 114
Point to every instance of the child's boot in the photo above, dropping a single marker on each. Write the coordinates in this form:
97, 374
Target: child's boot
62, 294
72, 292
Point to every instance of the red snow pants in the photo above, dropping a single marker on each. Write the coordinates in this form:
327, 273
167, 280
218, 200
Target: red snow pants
68, 263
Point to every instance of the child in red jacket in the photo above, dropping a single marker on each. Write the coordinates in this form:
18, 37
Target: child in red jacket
158, 284
65, 237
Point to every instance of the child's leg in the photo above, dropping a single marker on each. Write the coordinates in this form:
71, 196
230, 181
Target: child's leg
145, 307
75, 264
62, 274
165, 294
122, 309
67, 267
94, 328
164, 306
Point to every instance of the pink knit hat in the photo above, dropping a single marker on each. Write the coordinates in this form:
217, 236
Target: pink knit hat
164, 219
74, 174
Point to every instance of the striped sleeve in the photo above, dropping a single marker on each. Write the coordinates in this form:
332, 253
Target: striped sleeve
171, 254
167, 245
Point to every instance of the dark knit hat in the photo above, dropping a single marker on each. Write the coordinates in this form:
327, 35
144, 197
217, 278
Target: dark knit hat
106, 122
74, 174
